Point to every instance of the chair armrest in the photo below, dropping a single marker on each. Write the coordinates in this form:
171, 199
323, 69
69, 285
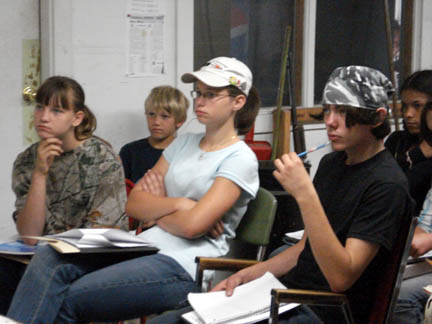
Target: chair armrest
221, 264
309, 297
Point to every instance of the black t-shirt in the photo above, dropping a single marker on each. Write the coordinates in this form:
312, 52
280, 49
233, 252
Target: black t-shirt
416, 166
365, 201
138, 157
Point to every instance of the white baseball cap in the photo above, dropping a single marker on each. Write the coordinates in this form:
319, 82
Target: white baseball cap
221, 72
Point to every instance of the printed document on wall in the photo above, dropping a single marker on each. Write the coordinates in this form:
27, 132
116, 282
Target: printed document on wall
145, 39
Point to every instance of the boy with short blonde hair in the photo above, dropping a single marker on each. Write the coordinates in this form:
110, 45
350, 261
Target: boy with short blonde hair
165, 110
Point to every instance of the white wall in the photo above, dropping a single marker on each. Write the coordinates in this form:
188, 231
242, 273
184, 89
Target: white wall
87, 41
422, 40
18, 21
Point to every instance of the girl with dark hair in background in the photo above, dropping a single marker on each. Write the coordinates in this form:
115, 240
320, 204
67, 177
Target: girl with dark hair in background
411, 151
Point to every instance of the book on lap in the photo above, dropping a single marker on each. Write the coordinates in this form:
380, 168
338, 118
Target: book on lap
17, 251
250, 303
17, 248
97, 240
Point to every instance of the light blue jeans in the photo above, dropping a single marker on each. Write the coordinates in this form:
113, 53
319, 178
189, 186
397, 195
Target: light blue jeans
76, 289
412, 300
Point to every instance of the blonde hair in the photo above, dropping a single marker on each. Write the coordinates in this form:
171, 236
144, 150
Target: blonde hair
170, 99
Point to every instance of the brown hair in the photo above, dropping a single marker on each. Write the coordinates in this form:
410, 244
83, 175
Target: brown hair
362, 116
245, 117
68, 94
170, 99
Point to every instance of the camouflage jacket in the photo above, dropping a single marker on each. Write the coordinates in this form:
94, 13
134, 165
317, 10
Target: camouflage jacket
85, 187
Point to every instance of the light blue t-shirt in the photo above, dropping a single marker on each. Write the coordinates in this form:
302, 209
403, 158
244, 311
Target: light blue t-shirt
191, 173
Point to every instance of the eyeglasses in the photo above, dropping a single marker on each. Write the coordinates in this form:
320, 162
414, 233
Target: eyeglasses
206, 95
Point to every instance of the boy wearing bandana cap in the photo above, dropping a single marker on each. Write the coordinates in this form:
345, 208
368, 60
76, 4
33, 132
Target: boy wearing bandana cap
352, 210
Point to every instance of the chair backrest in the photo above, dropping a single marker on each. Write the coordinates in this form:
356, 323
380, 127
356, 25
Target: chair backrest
387, 291
133, 223
129, 186
256, 225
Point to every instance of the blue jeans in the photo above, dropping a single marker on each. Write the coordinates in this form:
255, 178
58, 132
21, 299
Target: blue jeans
10, 276
412, 300
298, 315
74, 289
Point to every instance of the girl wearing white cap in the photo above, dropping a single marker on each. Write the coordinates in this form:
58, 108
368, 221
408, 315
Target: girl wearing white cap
195, 196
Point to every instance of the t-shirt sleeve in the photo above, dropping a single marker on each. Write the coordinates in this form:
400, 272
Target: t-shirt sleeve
108, 206
21, 179
380, 213
241, 168
425, 218
125, 158
391, 143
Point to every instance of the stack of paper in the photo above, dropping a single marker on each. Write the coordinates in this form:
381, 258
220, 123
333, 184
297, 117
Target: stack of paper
99, 237
250, 303
97, 240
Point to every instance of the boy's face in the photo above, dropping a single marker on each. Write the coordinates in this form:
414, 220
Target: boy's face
161, 124
343, 138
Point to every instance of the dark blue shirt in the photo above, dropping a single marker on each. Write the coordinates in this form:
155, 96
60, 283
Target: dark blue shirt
138, 157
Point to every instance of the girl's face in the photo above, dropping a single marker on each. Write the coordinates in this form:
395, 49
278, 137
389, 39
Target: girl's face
212, 105
413, 103
54, 121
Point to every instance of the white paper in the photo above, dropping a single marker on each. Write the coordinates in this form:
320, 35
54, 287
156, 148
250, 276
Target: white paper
144, 7
247, 299
6, 320
295, 235
193, 318
145, 38
101, 237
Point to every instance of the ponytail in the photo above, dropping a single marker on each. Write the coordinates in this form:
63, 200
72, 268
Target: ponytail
88, 124
245, 117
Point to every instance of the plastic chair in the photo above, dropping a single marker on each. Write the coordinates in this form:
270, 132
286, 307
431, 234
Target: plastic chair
133, 223
255, 228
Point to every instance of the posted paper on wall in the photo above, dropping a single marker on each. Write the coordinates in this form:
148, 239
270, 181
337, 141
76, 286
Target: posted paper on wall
145, 39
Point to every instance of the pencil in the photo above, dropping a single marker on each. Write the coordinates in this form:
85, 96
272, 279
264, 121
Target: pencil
314, 149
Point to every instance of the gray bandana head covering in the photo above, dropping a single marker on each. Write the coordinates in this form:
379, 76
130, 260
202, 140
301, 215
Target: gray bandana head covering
357, 86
